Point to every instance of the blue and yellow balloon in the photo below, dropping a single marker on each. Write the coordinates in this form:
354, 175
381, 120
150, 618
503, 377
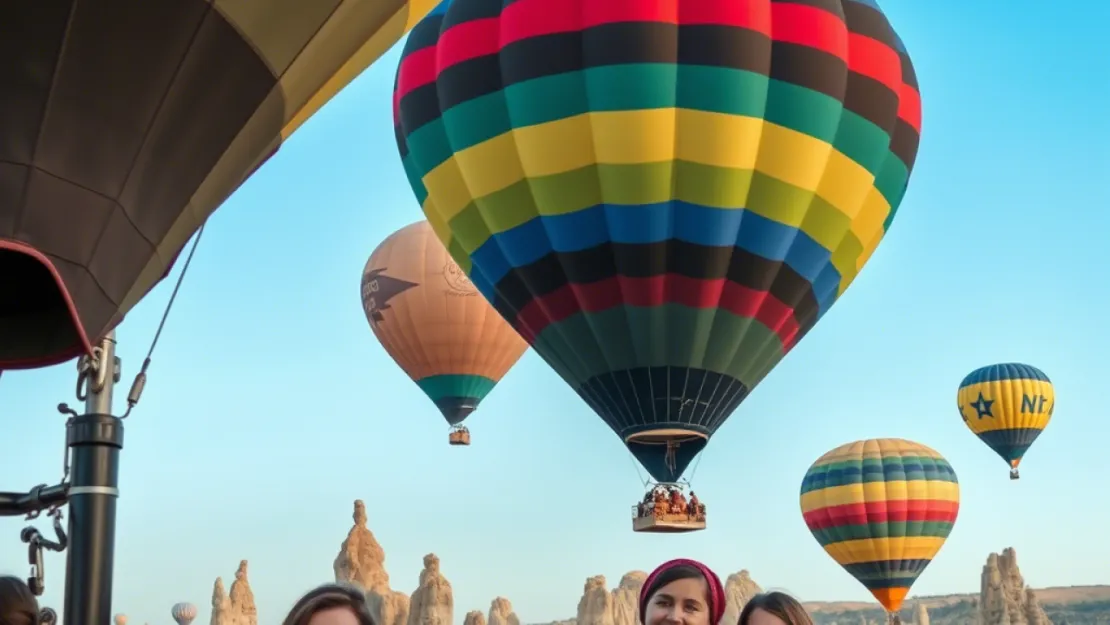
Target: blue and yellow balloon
1007, 406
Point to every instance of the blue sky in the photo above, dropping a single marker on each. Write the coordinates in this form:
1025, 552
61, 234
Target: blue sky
271, 406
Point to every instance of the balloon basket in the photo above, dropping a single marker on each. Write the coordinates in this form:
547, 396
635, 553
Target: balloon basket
663, 523
459, 437
1014, 474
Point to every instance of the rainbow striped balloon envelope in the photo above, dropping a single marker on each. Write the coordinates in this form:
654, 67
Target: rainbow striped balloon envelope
661, 197
1007, 406
882, 508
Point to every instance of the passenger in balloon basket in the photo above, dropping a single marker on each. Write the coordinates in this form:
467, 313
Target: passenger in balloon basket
662, 500
774, 608
682, 592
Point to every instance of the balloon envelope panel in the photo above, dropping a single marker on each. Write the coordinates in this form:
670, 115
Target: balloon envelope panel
882, 509
661, 197
1007, 406
434, 323
126, 124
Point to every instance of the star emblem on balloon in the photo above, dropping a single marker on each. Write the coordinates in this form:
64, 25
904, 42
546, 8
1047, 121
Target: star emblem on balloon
983, 406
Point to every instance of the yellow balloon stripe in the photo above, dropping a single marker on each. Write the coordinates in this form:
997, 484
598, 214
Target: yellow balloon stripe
936, 490
885, 549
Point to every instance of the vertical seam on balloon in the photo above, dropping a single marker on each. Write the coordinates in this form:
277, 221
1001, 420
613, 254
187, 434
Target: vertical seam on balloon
158, 110
32, 166
430, 354
577, 384
406, 330
627, 417
747, 377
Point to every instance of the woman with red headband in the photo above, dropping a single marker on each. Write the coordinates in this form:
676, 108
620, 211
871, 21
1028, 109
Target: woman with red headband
682, 592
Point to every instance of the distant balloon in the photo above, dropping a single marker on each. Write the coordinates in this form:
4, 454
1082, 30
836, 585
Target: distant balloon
120, 619
97, 199
1007, 406
184, 613
882, 509
434, 323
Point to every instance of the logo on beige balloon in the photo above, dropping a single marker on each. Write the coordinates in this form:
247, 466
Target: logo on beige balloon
457, 281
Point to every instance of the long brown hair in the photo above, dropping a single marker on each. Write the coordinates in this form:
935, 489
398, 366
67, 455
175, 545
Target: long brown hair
778, 604
329, 597
18, 605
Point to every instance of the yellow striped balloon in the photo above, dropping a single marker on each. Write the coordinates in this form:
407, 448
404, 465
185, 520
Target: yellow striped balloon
1007, 406
882, 508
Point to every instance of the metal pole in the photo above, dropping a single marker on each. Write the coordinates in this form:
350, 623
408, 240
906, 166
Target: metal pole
95, 439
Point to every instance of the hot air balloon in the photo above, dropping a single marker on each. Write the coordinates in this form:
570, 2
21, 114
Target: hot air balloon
184, 613
432, 321
120, 619
1007, 406
126, 124
662, 197
882, 508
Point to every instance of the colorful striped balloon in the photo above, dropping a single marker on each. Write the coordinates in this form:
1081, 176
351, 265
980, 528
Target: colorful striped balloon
1007, 406
882, 508
662, 197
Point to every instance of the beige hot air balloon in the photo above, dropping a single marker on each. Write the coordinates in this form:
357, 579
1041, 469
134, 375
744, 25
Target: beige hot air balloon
120, 619
436, 325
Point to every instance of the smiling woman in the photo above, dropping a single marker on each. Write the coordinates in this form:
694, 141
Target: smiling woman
126, 124
682, 592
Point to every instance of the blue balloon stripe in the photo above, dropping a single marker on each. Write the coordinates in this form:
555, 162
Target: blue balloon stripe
655, 223
1002, 372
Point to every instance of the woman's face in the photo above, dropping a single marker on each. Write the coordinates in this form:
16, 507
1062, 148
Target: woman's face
763, 617
681, 602
334, 616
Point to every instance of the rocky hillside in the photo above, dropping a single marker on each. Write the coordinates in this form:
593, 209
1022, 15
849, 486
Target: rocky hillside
1003, 599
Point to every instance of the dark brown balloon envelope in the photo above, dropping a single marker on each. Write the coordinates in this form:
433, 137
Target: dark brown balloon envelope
124, 124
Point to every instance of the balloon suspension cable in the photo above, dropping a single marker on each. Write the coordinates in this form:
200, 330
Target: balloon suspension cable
694, 469
136, 392
640, 474
893, 618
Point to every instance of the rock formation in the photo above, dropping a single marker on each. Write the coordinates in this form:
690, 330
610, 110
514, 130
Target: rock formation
920, 615
596, 605
626, 598
501, 612
236, 607
361, 561
433, 601
474, 617
1004, 598
739, 589
221, 605
243, 609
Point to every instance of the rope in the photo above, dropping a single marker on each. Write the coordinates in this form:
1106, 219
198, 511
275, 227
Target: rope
139, 384
639, 474
173, 295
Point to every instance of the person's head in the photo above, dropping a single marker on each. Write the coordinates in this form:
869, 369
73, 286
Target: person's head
682, 592
330, 604
18, 605
774, 608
